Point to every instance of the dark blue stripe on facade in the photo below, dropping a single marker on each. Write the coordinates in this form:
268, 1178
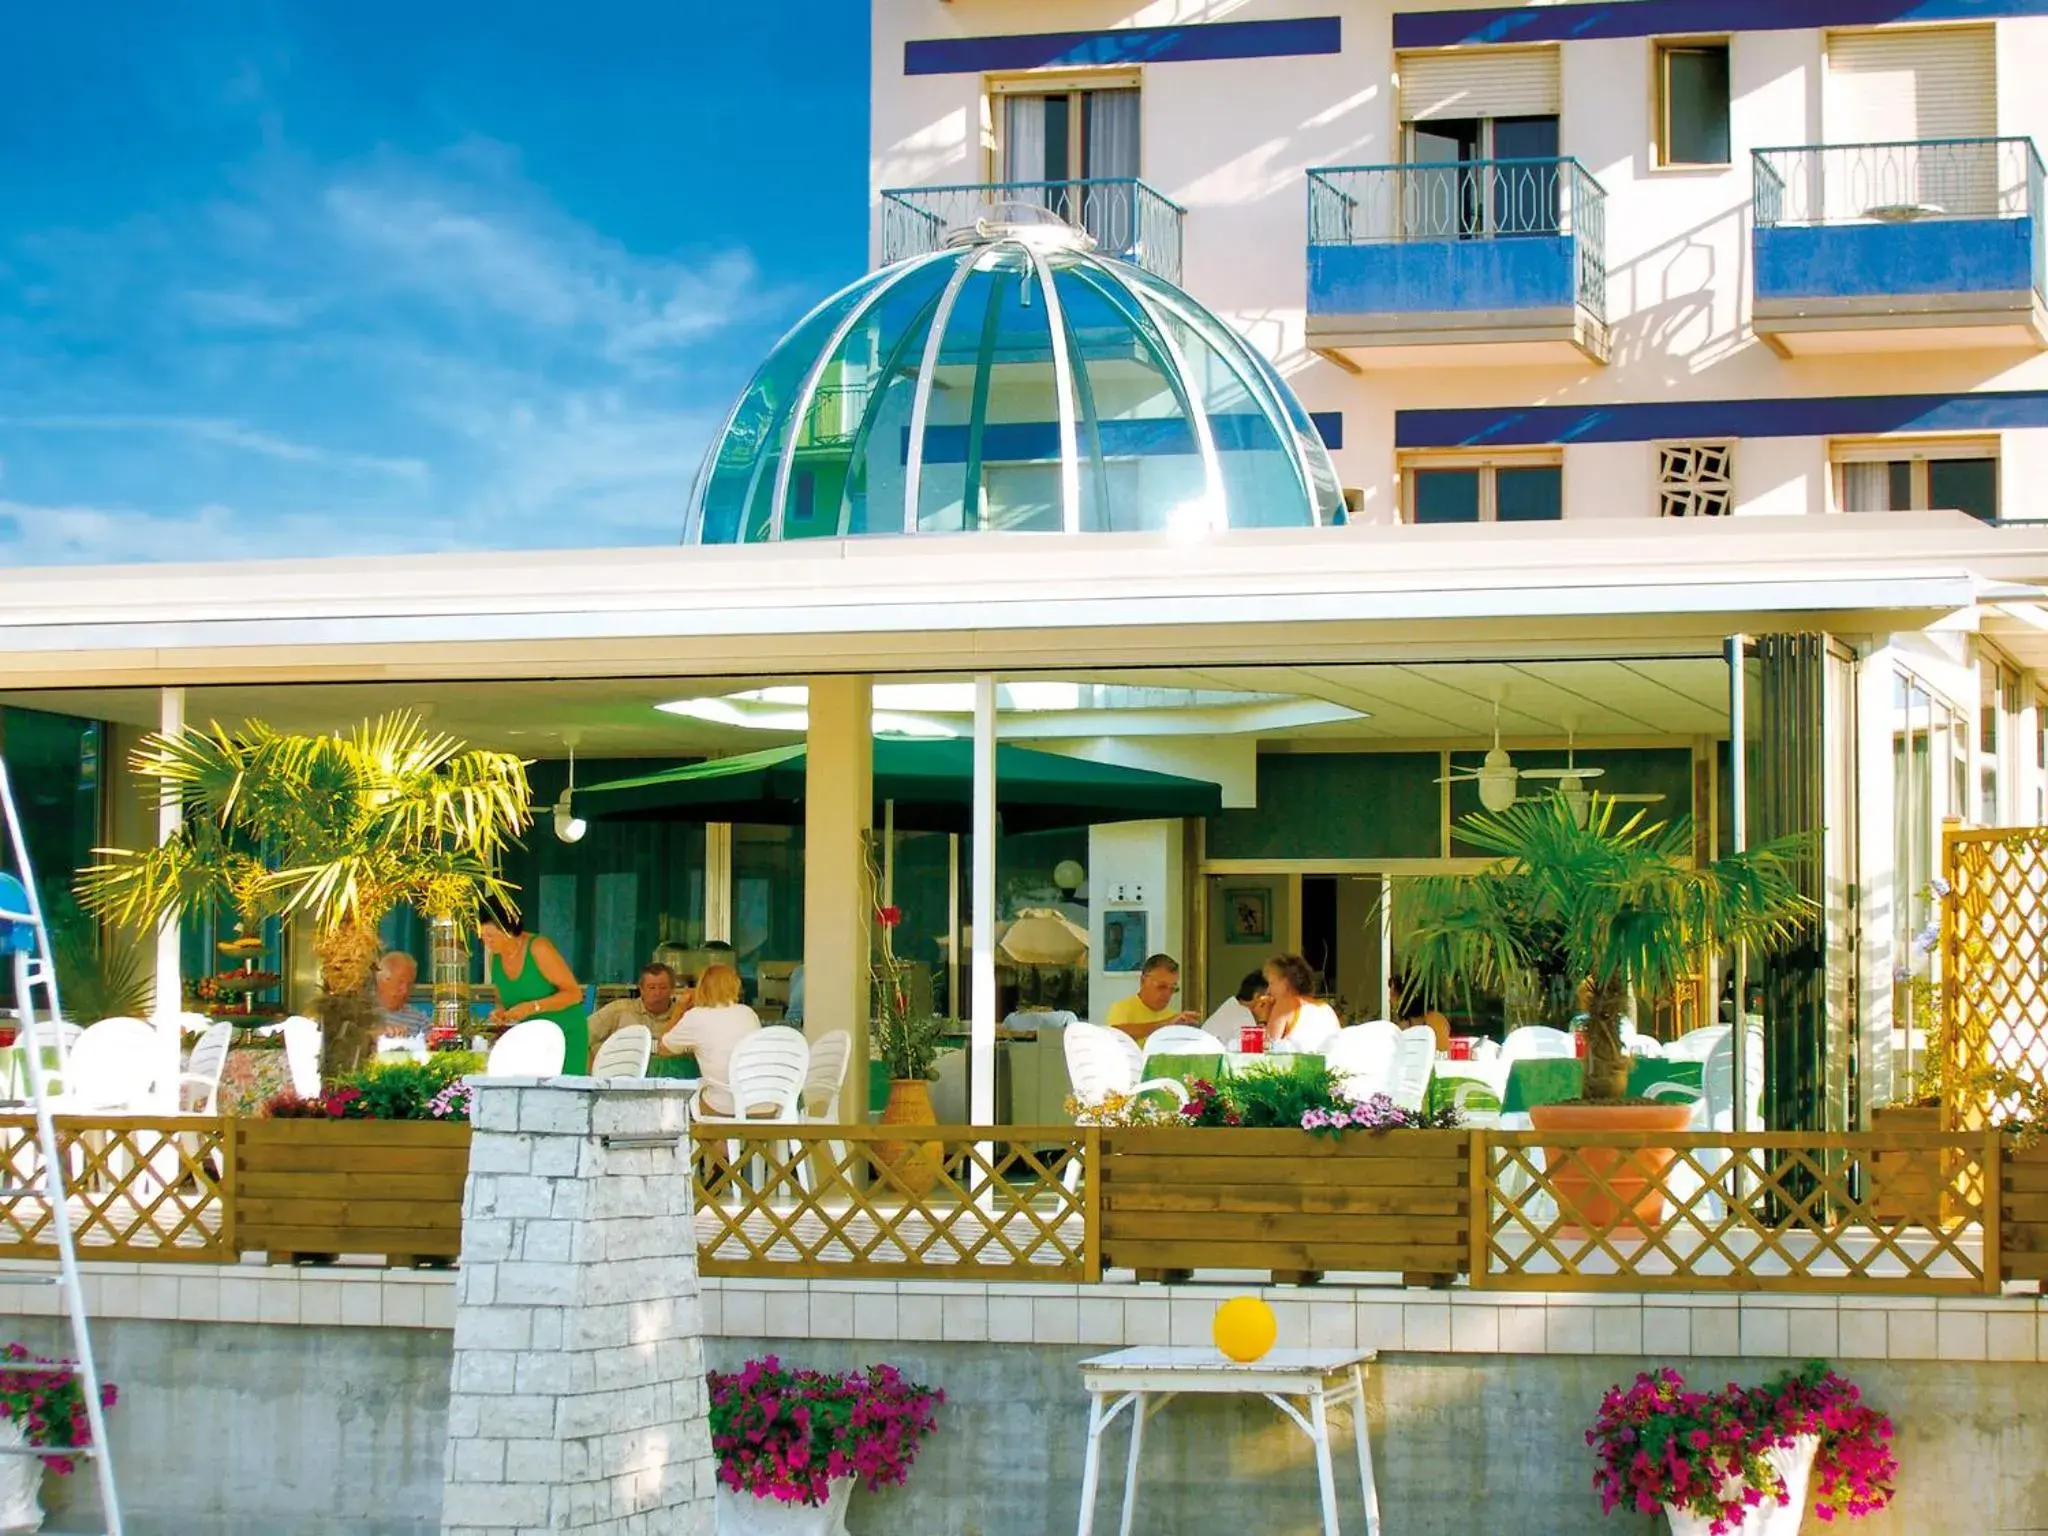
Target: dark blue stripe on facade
1821, 416
1195, 43
1658, 18
1329, 427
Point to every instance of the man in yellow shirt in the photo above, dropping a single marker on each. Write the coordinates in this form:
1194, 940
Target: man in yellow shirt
1152, 1008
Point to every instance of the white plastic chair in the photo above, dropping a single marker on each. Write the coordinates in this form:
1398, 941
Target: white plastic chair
831, 1054
624, 1053
1363, 1057
1719, 1075
1104, 1061
111, 1067
1414, 1062
1696, 1045
1536, 1041
767, 1071
536, 1048
201, 1078
1311, 1036
1180, 1040
765, 1082
302, 1051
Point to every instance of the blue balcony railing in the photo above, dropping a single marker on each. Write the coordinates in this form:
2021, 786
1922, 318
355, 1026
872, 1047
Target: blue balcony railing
1553, 207
1931, 216
1126, 217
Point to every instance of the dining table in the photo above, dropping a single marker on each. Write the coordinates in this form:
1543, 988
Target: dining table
1538, 1080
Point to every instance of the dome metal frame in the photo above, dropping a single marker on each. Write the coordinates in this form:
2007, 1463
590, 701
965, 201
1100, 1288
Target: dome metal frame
1182, 357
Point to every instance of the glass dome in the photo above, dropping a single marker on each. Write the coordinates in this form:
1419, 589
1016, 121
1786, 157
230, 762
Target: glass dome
1012, 381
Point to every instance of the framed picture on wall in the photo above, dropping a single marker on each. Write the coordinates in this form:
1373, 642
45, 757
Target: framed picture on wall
1248, 914
1126, 937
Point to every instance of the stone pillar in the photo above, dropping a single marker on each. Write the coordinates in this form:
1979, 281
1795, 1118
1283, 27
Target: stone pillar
839, 809
577, 1399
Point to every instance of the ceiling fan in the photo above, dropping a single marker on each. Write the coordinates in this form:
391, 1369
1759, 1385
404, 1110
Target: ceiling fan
1497, 775
1571, 783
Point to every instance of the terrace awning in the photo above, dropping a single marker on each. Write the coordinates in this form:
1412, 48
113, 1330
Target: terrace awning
930, 782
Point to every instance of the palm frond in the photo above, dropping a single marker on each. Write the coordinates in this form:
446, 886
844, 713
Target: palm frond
332, 828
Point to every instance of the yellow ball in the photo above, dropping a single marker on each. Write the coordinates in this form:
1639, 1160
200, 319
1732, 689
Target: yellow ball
1245, 1328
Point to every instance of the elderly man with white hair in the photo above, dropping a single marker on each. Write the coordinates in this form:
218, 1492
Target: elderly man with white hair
392, 981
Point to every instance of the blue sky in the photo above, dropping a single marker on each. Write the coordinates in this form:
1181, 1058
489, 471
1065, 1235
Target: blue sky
325, 278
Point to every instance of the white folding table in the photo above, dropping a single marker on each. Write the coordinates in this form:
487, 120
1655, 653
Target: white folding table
1146, 1379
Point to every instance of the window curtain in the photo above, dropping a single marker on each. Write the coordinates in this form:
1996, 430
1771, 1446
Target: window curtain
1867, 488
1112, 153
1024, 139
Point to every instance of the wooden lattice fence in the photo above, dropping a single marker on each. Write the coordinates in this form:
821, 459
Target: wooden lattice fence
1994, 937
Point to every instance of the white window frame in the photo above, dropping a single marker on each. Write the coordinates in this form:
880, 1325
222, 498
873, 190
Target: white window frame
1919, 452
1486, 464
1661, 50
1071, 83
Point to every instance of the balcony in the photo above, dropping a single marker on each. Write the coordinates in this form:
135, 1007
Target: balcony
1899, 247
1126, 217
1476, 261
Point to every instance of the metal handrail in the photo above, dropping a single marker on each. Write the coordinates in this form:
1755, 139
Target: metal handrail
1128, 217
1467, 200
1903, 178
1903, 181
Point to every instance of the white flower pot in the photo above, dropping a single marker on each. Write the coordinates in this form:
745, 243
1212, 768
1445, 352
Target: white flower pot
1685, 1523
741, 1514
21, 1484
1794, 1463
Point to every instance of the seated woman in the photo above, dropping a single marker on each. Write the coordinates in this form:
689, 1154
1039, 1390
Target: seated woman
1289, 1009
715, 1023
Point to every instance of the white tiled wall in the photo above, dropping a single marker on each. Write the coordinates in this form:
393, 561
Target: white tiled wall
1111, 1315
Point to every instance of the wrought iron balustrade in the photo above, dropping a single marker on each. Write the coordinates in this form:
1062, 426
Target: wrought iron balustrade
1125, 216
1908, 181
1467, 200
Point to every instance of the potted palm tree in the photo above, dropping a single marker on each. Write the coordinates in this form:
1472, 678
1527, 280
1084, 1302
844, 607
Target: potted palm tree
331, 831
1621, 905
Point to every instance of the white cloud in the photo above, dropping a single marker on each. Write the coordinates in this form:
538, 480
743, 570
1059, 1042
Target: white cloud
398, 353
492, 249
226, 434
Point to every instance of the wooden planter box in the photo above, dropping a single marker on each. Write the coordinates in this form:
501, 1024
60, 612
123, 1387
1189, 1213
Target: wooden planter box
1289, 1203
1917, 1184
2023, 1213
317, 1188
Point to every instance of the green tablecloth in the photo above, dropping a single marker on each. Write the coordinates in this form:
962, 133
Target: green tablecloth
1554, 1079
1185, 1069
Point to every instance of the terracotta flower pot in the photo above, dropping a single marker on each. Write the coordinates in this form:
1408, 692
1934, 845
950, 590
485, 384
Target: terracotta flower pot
1631, 1193
915, 1164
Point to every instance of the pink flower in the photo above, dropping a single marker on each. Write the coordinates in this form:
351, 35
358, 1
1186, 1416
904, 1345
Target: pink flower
889, 917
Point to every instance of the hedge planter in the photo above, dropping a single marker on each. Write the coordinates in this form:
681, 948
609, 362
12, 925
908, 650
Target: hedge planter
1915, 1184
1293, 1204
2023, 1212
309, 1189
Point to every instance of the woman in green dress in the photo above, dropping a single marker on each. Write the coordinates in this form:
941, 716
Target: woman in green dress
533, 981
